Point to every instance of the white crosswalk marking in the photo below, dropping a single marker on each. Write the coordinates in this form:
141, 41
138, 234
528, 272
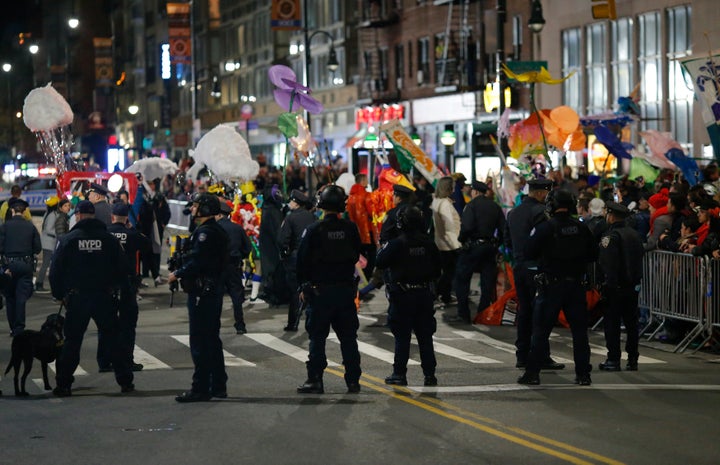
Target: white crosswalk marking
275, 343
78, 371
148, 361
230, 359
374, 352
445, 349
499, 345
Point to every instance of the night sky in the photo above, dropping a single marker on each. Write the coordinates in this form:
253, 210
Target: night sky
16, 17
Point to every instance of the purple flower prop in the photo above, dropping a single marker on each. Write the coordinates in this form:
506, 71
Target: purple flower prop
289, 92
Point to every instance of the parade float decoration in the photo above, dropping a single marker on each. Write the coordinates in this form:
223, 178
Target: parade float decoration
153, 168
408, 153
48, 115
703, 72
226, 156
291, 96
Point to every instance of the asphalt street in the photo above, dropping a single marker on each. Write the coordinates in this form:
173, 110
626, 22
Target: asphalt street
666, 413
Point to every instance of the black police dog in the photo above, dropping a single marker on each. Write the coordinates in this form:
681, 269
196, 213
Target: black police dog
44, 345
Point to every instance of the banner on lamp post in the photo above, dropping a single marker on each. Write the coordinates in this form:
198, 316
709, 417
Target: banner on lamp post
285, 15
104, 75
704, 73
179, 34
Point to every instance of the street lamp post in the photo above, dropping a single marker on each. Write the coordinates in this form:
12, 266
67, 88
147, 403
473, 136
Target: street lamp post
501, 9
7, 67
448, 139
332, 67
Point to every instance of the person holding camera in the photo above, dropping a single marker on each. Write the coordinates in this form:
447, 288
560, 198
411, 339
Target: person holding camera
326, 261
201, 277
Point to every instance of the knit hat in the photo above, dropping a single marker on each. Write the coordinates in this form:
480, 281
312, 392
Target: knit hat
660, 199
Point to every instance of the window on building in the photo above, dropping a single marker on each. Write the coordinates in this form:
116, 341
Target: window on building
423, 50
621, 60
650, 71
680, 96
410, 59
399, 66
517, 36
383, 59
571, 63
596, 68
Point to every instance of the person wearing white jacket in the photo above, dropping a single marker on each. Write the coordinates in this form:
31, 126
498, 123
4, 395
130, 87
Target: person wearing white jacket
447, 229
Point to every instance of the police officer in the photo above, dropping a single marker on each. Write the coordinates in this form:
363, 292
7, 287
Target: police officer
133, 243
98, 196
291, 231
326, 261
620, 258
19, 243
402, 196
240, 248
563, 247
87, 268
413, 262
481, 221
520, 221
201, 276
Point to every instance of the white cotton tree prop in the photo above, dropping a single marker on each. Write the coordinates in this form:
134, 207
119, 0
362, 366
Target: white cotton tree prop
226, 155
48, 115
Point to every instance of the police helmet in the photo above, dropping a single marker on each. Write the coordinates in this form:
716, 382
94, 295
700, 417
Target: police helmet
207, 205
332, 197
558, 199
409, 219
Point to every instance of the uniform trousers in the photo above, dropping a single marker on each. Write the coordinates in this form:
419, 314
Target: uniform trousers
412, 311
205, 345
568, 295
235, 288
17, 292
81, 307
332, 306
622, 306
127, 324
478, 257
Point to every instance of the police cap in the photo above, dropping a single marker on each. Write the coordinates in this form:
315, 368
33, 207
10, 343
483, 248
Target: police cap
16, 203
402, 190
479, 186
98, 189
617, 209
85, 207
225, 207
540, 184
120, 209
299, 197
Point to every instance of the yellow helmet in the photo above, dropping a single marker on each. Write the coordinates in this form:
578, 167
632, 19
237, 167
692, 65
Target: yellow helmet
52, 201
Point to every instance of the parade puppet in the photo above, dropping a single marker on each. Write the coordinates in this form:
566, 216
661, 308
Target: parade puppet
48, 115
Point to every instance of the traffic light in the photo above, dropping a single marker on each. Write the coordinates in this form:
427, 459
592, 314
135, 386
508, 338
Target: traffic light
603, 9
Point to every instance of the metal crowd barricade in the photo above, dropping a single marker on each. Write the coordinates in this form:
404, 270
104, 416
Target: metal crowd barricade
677, 286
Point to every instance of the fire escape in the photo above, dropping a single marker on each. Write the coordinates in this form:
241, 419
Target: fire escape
455, 60
376, 17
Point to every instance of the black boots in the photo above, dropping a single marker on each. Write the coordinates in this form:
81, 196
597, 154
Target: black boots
313, 385
611, 365
396, 380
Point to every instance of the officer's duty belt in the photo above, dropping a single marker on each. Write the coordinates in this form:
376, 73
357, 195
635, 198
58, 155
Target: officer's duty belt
24, 258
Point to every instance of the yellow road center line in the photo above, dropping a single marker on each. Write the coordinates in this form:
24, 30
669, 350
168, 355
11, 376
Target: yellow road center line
494, 427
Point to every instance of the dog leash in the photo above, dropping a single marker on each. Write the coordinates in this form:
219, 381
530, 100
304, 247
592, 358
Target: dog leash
62, 305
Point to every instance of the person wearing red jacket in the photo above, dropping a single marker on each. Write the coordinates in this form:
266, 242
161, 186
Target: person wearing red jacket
358, 209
